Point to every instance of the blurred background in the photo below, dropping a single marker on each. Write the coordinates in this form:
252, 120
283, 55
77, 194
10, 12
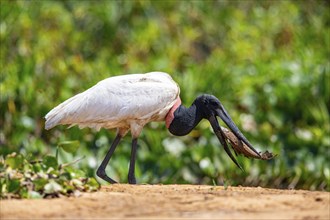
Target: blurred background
267, 61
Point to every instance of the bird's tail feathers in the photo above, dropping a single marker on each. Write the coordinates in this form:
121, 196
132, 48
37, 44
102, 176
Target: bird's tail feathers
53, 117
58, 115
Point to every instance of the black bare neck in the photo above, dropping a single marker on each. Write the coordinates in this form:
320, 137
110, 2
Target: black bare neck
185, 119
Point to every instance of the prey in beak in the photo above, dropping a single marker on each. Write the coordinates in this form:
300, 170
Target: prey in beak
209, 107
234, 136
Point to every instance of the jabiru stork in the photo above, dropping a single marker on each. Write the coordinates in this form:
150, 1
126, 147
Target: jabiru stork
129, 102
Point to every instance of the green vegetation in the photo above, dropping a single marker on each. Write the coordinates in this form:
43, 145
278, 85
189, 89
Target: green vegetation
267, 61
22, 177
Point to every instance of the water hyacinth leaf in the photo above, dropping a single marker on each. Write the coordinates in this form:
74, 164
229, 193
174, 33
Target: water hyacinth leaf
2, 187
69, 146
36, 167
74, 173
92, 184
41, 178
65, 176
14, 160
77, 182
52, 187
13, 185
24, 192
39, 184
68, 187
34, 195
2, 164
50, 161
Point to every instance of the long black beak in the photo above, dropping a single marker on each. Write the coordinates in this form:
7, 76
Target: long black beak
219, 133
222, 113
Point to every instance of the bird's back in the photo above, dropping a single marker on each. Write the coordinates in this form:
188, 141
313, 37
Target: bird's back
115, 101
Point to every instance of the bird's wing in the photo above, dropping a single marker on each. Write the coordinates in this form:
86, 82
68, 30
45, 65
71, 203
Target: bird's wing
116, 99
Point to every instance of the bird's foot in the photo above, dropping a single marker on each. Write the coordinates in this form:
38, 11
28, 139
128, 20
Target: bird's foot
131, 179
102, 174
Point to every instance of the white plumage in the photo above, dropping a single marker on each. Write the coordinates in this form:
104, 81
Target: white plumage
123, 102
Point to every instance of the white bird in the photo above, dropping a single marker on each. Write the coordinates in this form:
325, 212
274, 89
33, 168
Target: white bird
129, 102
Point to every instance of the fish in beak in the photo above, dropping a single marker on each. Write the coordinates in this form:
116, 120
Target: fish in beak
234, 136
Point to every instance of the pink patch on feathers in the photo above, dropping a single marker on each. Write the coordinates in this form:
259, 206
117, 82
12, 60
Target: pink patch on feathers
170, 115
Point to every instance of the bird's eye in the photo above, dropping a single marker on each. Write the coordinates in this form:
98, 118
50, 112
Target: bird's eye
213, 103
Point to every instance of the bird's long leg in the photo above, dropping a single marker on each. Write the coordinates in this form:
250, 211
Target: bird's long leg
101, 170
131, 171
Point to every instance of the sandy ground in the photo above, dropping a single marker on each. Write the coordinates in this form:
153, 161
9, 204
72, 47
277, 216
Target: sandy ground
122, 201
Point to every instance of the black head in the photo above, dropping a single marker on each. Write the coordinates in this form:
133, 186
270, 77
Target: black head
208, 105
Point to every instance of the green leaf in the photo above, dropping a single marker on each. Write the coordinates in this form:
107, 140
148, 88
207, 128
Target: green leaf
36, 167
76, 182
52, 187
13, 185
92, 184
14, 160
65, 176
39, 184
75, 173
50, 161
69, 146
34, 195
2, 187
67, 186
24, 192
